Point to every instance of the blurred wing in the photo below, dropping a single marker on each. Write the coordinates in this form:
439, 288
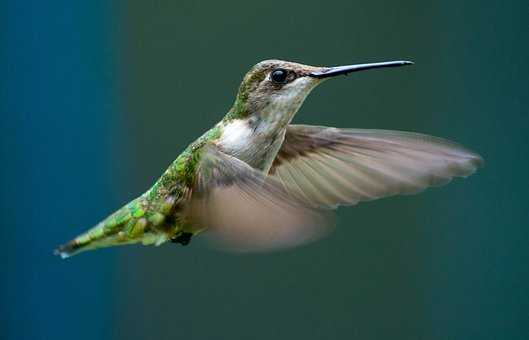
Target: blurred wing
327, 166
245, 211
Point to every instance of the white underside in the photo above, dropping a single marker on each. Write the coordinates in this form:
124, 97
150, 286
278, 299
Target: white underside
256, 146
257, 139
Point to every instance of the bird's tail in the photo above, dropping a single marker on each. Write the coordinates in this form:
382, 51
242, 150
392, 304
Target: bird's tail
128, 225
91, 239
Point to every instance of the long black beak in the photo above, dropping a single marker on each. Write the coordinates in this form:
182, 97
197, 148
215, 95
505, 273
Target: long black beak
338, 70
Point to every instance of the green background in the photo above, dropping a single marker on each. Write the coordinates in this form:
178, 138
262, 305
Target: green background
121, 89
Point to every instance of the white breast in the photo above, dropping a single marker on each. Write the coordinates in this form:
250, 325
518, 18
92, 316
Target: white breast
255, 146
236, 135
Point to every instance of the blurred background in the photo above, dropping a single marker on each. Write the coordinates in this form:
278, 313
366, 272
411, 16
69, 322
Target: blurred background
97, 98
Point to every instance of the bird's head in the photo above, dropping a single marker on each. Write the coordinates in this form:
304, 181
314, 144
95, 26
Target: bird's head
274, 89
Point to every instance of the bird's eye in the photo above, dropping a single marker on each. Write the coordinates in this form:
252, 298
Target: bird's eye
279, 75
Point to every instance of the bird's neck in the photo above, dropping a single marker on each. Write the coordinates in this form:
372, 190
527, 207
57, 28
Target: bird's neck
254, 129
253, 140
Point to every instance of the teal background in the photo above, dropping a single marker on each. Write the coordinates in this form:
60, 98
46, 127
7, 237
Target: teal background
97, 99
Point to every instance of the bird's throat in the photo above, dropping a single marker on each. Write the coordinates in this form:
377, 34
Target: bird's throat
253, 141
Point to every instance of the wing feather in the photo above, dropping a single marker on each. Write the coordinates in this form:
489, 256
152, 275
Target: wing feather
327, 167
244, 210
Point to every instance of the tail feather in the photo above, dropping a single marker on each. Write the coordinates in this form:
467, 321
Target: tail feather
77, 246
93, 238
130, 224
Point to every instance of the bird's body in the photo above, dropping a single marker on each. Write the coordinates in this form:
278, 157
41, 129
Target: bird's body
257, 182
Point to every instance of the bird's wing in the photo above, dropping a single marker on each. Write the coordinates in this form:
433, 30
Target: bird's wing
244, 210
328, 167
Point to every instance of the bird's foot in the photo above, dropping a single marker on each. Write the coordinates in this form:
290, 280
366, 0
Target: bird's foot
183, 238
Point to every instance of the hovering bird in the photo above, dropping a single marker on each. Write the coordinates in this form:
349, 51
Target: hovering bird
255, 182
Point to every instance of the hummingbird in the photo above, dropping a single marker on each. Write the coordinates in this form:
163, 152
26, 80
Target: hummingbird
255, 182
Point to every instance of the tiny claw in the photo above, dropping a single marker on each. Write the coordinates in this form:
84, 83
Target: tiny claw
183, 238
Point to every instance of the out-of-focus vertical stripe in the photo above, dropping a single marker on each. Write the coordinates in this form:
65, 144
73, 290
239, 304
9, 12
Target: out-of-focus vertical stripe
57, 127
